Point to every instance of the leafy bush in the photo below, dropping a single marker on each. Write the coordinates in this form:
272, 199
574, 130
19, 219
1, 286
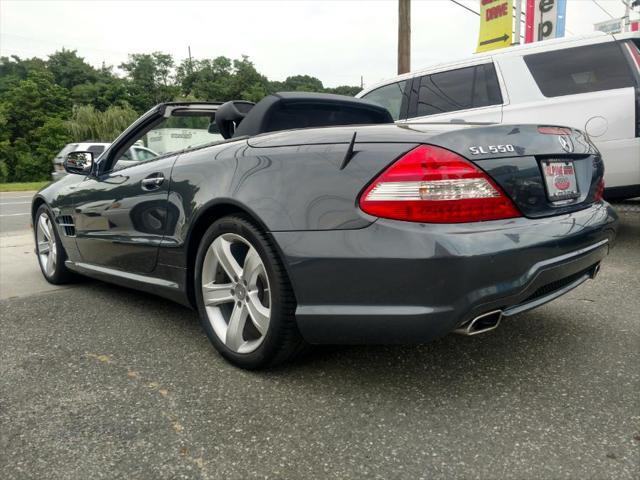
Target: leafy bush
87, 123
45, 104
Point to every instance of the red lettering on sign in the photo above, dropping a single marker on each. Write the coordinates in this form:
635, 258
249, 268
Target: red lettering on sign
497, 11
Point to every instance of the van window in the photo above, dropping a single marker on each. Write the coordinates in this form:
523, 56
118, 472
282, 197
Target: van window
389, 97
569, 71
68, 148
96, 150
461, 89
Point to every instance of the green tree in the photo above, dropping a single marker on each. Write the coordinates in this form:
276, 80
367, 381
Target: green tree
87, 123
150, 79
206, 79
37, 98
101, 95
32, 101
13, 69
246, 83
351, 91
70, 70
303, 83
5, 146
33, 161
26, 107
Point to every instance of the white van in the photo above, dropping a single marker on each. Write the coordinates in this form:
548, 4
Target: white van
591, 83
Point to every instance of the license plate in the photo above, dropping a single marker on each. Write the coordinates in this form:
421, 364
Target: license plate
560, 178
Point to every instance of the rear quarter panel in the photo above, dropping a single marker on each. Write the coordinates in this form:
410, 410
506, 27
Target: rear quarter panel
286, 188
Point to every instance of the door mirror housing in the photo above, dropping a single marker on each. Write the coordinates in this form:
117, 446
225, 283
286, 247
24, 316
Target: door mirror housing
79, 163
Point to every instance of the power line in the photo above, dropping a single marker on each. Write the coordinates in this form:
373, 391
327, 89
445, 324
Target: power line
602, 8
473, 11
465, 7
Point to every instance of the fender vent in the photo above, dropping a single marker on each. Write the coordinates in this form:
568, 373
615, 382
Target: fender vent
67, 224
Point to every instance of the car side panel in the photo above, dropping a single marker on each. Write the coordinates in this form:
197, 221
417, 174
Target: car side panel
269, 183
119, 222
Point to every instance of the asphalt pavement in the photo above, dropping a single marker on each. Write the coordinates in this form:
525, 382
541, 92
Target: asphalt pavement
97, 381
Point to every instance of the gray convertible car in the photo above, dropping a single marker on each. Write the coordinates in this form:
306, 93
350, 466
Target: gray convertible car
318, 220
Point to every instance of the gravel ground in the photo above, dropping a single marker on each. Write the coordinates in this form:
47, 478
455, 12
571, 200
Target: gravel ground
102, 382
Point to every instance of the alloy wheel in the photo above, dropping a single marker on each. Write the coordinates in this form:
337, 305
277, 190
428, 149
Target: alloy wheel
46, 244
236, 293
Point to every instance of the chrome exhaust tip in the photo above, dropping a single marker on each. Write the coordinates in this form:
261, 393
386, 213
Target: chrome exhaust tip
481, 324
595, 271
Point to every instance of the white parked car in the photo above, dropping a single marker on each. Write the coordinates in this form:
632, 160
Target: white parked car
591, 83
135, 154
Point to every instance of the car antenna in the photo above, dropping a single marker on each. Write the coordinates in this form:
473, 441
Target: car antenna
349, 155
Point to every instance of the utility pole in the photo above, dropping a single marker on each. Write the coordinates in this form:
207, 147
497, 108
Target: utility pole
627, 16
190, 62
404, 36
518, 22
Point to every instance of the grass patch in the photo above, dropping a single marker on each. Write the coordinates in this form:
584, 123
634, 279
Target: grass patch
21, 186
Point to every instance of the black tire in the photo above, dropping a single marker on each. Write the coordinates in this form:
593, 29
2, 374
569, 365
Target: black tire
282, 340
60, 274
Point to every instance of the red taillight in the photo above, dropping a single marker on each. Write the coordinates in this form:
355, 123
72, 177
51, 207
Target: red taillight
634, 51
433, 185
599, 195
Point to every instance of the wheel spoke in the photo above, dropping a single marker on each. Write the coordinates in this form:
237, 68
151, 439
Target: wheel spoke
217, 294
51, 262
233, 338
222, 250
258, 313
231, 303
44, 228
43, 247
252, 268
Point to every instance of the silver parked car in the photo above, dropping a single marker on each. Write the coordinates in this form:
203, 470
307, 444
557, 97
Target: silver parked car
133, 155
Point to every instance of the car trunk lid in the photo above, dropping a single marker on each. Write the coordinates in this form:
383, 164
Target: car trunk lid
514, 156
544, 170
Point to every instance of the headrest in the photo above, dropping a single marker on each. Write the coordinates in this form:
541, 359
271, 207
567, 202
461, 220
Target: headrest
284, 111
229, 115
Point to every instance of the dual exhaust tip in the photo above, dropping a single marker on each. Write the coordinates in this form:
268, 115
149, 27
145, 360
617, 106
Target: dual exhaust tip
490, 320
481, 324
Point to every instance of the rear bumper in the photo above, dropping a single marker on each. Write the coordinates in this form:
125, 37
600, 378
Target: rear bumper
399, 282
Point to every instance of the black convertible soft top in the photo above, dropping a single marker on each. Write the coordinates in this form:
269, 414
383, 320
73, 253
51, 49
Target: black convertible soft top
289, 110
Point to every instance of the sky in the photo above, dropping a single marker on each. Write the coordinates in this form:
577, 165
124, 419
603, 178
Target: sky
337, 41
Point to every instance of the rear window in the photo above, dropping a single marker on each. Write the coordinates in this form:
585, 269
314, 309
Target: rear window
591, 68
390, 97
460, 89
305, 115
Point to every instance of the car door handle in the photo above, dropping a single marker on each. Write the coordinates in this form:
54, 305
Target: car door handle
153, 181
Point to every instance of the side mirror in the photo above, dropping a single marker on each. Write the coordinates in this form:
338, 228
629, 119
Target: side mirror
79, 163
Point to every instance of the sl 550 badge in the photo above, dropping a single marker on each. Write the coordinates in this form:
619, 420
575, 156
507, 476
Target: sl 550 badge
491, 149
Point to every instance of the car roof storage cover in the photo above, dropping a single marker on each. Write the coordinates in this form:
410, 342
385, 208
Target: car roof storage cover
285, 111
